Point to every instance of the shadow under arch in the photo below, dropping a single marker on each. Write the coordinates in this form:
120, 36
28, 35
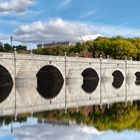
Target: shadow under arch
137, 74
118, 79
49, 81
6, 83
90, 80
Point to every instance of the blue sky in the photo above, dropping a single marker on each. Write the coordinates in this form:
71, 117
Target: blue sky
43, 21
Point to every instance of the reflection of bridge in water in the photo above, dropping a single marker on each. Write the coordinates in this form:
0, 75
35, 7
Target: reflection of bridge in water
30, 83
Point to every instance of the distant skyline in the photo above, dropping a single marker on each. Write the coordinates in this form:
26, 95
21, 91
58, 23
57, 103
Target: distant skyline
44, 21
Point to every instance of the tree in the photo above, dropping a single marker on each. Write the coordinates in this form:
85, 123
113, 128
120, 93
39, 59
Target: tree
102, 45
20, 47
121, 48
8, 48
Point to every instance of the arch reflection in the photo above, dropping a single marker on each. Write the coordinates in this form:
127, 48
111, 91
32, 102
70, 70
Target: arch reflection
118, 79
49, 81
6, 83
90, 80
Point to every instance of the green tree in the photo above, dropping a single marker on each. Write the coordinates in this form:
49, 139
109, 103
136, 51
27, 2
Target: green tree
122, 47
8, 48
20, 47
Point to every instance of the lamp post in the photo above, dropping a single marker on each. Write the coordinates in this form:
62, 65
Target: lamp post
65, 53
100, 81
14, 53
11, 38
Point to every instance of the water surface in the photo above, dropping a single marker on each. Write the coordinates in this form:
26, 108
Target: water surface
32, 130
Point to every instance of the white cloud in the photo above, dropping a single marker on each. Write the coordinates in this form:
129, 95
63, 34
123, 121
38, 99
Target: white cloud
88, 14
53, 30
65, 3
53, 133
18, 6
31, 130
113, 30
62, 30
4, 37
90, 37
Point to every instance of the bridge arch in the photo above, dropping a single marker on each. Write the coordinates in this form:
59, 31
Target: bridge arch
49, 81
90, 80
6, 83
118, 79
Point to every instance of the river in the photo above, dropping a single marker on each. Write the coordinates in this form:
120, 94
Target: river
32, 130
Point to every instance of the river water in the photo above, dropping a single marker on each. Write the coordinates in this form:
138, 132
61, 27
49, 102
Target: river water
32, 130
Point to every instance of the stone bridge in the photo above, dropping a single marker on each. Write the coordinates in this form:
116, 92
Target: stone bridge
31, 83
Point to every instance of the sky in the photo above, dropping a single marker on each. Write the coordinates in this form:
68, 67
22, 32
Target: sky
43, 21
31, 130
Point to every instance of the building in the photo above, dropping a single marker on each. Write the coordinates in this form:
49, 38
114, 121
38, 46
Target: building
1, 44
53, 44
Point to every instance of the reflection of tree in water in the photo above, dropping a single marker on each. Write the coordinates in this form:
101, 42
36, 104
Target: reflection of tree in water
117, 117
8, 119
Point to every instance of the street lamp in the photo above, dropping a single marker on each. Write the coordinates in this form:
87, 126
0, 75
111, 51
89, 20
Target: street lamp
14, 53
11, 38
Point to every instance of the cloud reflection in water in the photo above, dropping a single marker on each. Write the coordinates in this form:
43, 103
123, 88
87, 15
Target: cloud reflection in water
31, 130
